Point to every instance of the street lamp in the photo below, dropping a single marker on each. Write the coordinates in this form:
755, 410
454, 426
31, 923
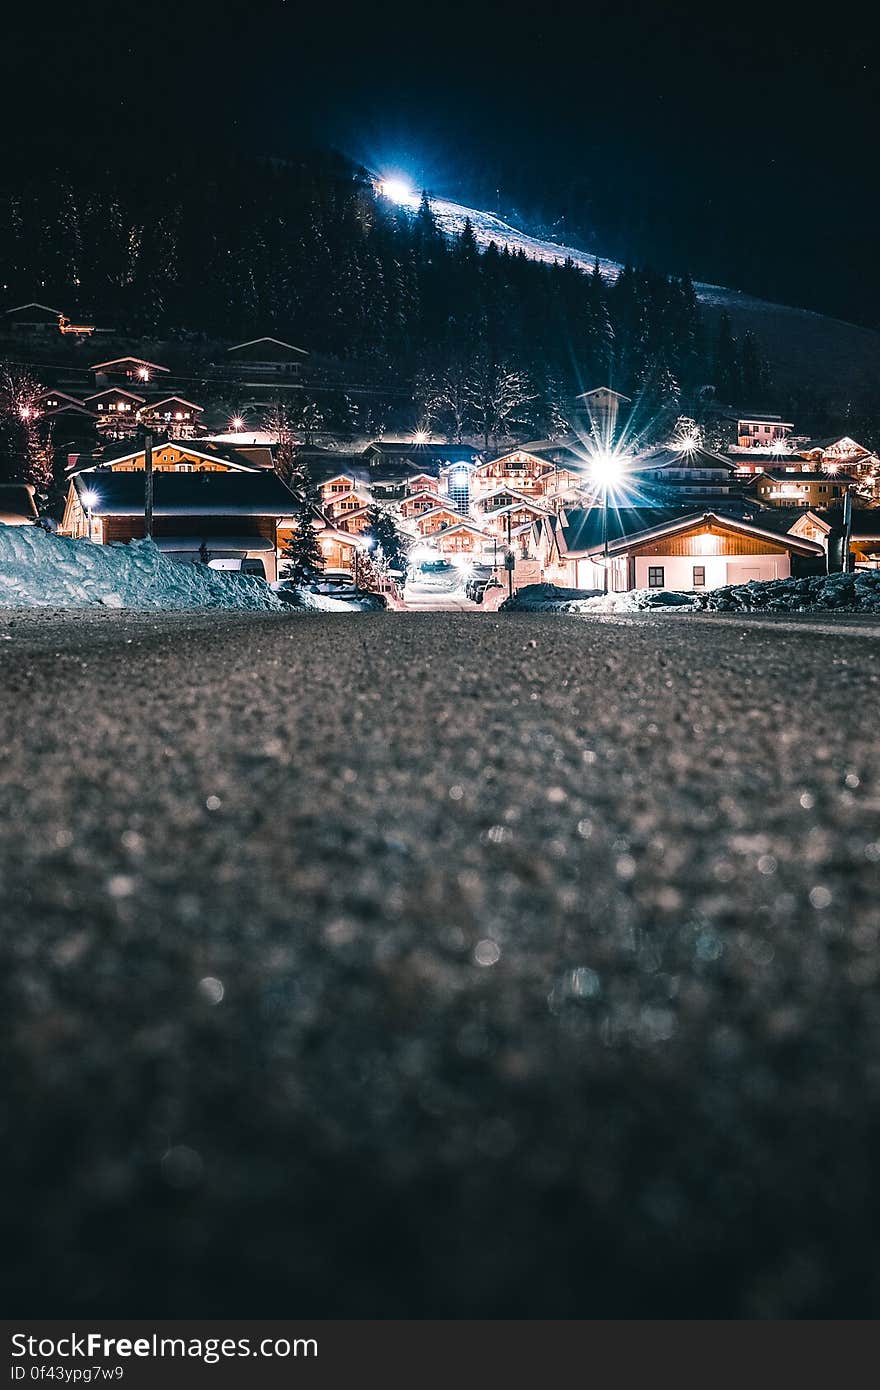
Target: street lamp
236, 424
605, 470
89, 500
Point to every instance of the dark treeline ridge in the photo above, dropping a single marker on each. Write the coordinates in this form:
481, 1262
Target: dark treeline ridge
302, 249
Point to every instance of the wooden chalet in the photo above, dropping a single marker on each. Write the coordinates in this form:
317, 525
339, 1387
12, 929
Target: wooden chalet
264, 358
665, 548
461, 537
31, 320
174, 415
233, 515
171, 456
787, 488
115, 409
126, 369
520, 470
436, 519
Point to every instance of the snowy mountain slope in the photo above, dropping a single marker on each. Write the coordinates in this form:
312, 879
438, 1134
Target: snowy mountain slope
806, 349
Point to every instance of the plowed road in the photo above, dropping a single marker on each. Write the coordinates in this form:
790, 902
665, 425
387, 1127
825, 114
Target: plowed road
438, 964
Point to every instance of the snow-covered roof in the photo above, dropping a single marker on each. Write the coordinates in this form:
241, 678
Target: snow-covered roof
188, 494
119, 361
245, 349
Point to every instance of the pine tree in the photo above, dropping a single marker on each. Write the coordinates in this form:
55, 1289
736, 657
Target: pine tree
389, 544
302, 552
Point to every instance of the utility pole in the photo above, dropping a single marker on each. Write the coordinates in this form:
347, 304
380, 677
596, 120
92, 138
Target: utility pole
847, 529
509, 561
148, 485
605, 538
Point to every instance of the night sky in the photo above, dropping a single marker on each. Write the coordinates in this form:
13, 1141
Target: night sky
739, 143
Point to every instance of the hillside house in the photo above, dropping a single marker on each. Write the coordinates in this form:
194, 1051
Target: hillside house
126, 369
264, 358
31, 320
787, 488
174, 415
757, 431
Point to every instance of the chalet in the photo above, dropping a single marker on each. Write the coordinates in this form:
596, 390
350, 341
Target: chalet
436, 519
115, 408
599, 409
345, 503
674, 476
428, 458
779, 488
518, 469
17, 505
265, 357
172, 456
422, 482
31, 320
664, 548
125, 369
759, 431
232, 515
834, 449
354, 521
417, 503
460, 538
173, 414
53, 399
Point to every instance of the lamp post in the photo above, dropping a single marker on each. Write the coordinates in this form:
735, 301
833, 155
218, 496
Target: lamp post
89, 500
606, 471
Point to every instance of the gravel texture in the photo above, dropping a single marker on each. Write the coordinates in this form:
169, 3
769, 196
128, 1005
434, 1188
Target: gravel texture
438, 965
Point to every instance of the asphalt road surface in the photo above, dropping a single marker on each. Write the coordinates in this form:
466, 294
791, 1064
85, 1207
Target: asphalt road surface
438, 964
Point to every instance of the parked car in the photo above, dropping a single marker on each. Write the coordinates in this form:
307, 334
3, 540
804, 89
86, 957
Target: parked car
477, 585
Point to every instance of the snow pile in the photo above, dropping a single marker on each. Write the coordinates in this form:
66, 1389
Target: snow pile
853, 593
304, 600
547, 598
544, 598
38, 570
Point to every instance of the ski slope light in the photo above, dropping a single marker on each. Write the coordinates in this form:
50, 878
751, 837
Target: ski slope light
398, 191
421, 437
236, 424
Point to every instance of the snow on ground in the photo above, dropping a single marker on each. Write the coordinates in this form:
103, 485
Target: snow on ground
851, 593
38, 570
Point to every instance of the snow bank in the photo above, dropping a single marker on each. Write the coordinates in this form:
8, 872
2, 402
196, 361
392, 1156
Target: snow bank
852, 593
547, 598
38, 570
305, 601
543, 598
849, 593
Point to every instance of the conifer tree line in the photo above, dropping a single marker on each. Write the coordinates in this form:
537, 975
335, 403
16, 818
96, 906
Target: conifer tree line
490, 341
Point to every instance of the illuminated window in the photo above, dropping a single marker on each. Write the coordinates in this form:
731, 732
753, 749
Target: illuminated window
699, 576
656, 576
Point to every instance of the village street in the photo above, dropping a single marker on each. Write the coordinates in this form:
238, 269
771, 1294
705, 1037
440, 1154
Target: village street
439, 964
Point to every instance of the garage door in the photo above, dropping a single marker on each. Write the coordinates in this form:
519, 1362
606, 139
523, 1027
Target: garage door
741, 574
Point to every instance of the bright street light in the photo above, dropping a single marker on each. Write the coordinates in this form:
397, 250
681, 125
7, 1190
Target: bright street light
606, 470
236, 424
89, 500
